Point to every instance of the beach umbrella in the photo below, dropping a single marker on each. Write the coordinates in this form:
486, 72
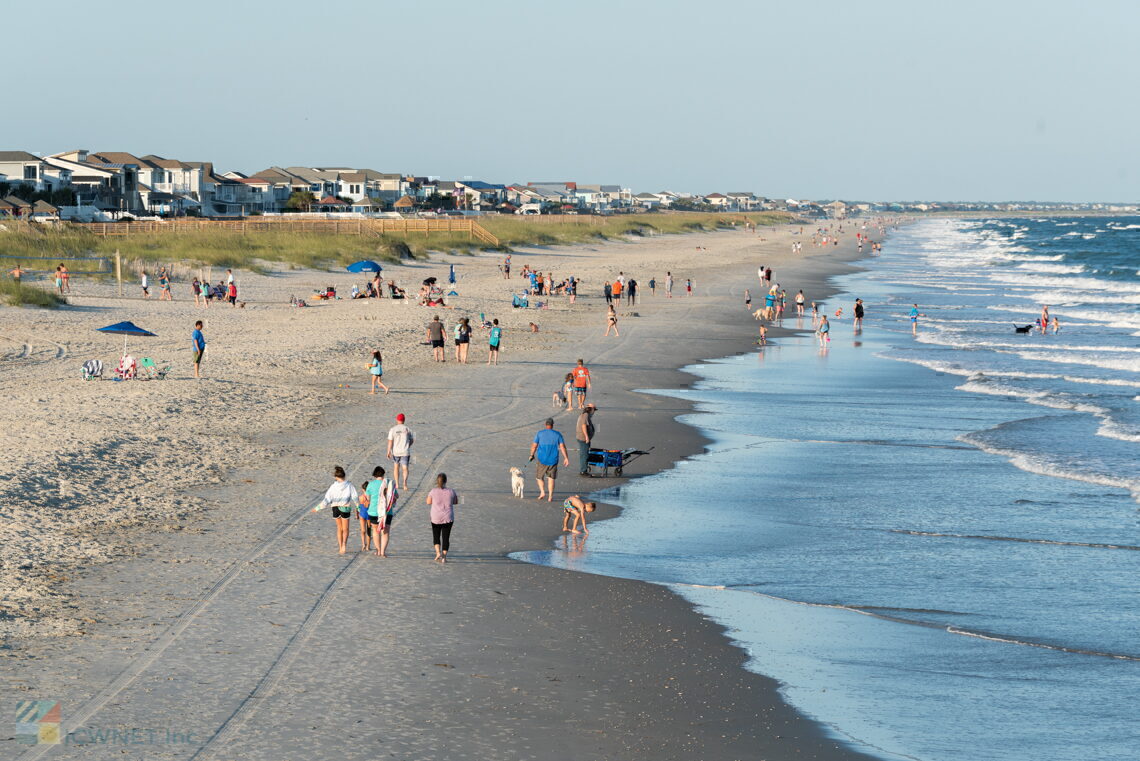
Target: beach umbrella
451, 275
126, 329
364, 265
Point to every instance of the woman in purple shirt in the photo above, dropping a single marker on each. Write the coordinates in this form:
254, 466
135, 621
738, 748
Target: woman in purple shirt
442, 501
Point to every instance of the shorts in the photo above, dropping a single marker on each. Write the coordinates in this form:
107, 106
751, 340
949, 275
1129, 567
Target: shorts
404, 460
580, 390
198, 357
494, 347
146, 290
384, 523
437, 343
458, 341
546, 471
341, 512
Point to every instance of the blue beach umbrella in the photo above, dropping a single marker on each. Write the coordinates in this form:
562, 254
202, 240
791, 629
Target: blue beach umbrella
364, 265
125, 329
451, 275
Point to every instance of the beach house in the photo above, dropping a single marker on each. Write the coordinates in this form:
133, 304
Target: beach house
22, 168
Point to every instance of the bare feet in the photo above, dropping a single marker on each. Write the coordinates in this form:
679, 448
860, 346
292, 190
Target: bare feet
438, 558
540, 497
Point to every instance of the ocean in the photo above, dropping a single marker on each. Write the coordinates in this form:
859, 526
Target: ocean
931, 541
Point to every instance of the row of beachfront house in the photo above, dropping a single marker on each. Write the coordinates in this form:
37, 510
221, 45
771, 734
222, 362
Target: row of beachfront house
113, 184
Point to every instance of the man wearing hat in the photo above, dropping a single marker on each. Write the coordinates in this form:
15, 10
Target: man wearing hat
400, 440
585, 434
547, 445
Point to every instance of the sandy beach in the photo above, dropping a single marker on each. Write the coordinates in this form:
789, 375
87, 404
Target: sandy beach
162, 568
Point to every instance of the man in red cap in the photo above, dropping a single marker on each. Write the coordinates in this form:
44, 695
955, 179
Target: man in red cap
400, 440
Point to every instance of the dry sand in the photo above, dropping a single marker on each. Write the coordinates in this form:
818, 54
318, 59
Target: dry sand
165, 526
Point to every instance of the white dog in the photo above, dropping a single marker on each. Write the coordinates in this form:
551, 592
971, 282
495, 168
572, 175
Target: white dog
517, 482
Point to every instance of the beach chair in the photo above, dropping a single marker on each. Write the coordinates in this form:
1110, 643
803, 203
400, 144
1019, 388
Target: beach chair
148, 370
92, 368
127, 368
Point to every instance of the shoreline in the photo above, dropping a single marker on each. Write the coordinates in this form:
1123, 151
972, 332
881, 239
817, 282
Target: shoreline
645, 604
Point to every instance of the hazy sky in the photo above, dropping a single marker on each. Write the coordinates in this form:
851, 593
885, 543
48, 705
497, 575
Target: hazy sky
855, 100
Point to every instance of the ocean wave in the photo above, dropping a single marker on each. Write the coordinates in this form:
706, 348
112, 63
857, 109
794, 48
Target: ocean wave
1112, 226
1058, 269
1074, 297
874, 612
1039, 463
940, 366
1023, 540
1128, 365
1041, 398
1069, 283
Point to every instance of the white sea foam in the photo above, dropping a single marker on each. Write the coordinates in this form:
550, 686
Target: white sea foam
1058, 269
1123, 227
1108, 363
1070, 283
1033, 396
1033, 463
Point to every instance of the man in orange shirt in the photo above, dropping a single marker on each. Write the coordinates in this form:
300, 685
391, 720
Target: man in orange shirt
581, 382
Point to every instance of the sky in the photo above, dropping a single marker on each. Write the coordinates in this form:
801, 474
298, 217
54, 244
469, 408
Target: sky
855, 100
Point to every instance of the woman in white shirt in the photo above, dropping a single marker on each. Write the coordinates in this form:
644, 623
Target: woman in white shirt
341, 497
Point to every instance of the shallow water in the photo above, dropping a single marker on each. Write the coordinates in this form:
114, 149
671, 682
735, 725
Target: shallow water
936, 556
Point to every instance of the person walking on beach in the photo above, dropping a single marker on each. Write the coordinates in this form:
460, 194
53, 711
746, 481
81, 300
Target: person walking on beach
400, 440
442, 501
59, 280
164, 293
688, 286
145, 281
748, 299
800, 304
611, 322
548, 444
582, 384
507, 267
669, 284
17, 273
495, 341
362, 514
462, 340
382, 496
631, 289
824, 332
435, 338
341, 497
575, 507
584, 434
376, 370
229, 277
652, 286
198, 346
196, 289
231, 293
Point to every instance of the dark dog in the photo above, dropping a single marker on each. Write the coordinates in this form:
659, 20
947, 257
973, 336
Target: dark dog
1019, 329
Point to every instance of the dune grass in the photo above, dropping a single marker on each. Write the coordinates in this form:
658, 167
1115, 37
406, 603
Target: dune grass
33, 246
18, 294
528, 231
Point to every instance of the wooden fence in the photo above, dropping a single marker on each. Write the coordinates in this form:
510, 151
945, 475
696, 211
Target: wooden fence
325, 226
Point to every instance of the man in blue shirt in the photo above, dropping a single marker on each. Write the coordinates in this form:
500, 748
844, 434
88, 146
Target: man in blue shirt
198, 344
547, 445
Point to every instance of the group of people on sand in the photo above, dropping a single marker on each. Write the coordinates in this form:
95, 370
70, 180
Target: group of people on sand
375, 501
461, 333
